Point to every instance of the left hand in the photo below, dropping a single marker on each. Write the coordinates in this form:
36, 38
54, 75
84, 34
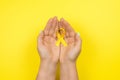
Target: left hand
70, 52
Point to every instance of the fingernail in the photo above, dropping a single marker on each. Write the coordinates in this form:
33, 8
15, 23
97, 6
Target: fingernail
50, 19
62, 19
78, 33
56, 17
40, 31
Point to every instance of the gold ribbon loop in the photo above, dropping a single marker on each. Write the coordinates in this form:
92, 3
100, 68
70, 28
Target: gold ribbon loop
60, 36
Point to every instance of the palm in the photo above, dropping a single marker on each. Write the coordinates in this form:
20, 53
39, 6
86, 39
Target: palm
46, 42
72, 50
48, 48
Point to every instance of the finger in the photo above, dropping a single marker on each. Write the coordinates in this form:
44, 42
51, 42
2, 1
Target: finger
40, 37
56, 29
63, 26
78, 40
60, 24
70, 30
53, 26
48, 25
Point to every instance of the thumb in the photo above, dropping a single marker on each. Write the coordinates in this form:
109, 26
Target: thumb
40, 37
78, 40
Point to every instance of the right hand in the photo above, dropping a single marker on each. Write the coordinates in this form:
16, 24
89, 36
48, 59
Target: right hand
46, 42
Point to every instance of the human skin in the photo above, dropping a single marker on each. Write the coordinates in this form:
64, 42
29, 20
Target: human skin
69, 53
48, 51
51, 54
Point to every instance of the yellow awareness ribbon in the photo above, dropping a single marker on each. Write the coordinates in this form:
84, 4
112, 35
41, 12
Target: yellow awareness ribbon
60, 37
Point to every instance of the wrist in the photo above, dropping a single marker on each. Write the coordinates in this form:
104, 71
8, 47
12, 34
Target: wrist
69, 70
47, 70
47, 63
67, 61
48, 67
48, 60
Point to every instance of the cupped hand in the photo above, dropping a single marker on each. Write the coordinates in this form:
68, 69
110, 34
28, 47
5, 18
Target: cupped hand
46, 42
73, 48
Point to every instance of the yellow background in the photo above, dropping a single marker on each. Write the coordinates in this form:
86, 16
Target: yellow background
98, 22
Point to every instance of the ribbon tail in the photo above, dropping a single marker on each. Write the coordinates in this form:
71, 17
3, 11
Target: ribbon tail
63, 42
58, 43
